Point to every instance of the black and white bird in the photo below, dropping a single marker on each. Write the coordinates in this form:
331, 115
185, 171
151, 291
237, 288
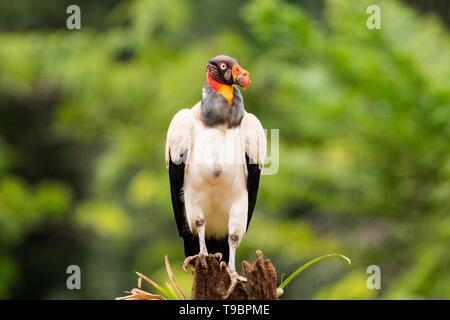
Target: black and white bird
215, 153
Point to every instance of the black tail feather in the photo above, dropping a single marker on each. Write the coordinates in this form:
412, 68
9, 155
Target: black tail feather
213, 245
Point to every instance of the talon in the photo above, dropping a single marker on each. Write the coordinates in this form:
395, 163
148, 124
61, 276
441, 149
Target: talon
188, 260
223, 264
233, 284
234, 277
218, 256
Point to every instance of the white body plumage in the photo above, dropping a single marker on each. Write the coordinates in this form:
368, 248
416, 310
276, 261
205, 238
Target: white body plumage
215, 180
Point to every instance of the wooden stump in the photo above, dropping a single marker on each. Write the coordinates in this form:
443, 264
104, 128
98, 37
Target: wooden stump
212, 282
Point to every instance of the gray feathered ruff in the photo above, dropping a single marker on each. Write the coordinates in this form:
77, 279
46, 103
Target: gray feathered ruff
216, 110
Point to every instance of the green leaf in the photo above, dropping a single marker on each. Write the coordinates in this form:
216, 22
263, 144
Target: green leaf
306, 265
173, 295
163, 291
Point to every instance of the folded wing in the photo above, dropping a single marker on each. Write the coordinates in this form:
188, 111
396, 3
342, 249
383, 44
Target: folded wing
255, 155
178, 146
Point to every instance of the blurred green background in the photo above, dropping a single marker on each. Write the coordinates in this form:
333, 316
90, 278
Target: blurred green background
364, 119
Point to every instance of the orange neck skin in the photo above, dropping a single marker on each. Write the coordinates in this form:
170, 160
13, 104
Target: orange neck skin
226, 90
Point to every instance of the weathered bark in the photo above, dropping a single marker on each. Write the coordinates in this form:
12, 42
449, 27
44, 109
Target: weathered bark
262, 277
212, 282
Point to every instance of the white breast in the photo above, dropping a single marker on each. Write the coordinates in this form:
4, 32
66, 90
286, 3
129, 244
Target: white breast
215, 181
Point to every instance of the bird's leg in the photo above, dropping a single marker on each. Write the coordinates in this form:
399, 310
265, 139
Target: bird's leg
233, 242
200, 226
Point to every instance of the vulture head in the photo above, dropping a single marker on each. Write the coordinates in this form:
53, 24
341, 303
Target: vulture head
227, 70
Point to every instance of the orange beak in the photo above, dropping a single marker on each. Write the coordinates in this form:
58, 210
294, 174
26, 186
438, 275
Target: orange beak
240, 76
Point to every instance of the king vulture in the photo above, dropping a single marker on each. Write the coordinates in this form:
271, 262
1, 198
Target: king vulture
215, 152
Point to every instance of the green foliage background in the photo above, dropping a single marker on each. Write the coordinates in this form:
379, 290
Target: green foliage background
364, 119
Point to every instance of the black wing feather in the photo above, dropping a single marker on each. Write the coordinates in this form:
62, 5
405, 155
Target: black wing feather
254, 173
176, 177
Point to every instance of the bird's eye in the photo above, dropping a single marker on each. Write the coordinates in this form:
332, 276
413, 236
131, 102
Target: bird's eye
223, 66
